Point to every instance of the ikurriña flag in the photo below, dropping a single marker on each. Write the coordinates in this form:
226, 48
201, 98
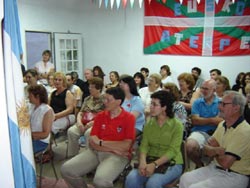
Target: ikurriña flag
18, 118
207, 28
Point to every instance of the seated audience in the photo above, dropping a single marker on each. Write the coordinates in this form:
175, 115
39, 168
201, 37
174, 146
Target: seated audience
186, 83
77, 81
154, 84
139, 80
214, 73
246, 80
98, 72
205, 118
50, 87
88, 74
133, 102
145, 73
31, 78
111, 139
165, 74
114, 78
44, 67
76, 92
238, 86
222, 84
179, 110
229, 148
160, 145
62, 102
247, 107
90, 107
196, 72
41, 117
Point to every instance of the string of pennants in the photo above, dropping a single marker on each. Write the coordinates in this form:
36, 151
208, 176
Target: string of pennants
124, 3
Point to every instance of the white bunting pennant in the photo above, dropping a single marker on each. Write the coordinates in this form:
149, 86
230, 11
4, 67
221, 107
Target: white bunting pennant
118, 3
140, 3
132, 3
112, 3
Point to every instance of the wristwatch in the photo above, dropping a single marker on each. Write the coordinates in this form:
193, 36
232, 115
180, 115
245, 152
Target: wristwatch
156, 165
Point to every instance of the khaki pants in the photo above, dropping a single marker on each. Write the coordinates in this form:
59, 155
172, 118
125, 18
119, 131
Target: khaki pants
108, 167
211, 177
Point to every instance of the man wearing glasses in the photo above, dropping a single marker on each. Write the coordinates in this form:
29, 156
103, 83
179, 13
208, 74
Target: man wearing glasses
229, 148
110, 143
204, 116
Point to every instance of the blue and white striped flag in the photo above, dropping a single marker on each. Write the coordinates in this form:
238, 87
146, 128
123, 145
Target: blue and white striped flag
23, 169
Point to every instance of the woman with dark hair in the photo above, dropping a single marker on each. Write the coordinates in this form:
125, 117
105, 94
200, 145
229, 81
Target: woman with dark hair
41, 118
98, 72
133, 102
246, 80
139, 80
160, 145
114, 78
238, 86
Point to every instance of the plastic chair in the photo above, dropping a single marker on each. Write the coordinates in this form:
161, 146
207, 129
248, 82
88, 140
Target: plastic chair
41, 156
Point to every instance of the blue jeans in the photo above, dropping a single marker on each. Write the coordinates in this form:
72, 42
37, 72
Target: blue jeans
135, 180
38, 145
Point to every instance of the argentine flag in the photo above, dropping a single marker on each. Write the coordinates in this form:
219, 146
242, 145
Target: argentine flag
17, 162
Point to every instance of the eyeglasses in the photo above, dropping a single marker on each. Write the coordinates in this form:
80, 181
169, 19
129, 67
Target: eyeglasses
224, 103
154, 104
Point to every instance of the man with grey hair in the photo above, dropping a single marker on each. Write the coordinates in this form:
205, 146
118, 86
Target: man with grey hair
204, 116
229, 148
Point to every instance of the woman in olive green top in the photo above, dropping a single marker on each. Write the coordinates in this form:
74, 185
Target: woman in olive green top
161, 144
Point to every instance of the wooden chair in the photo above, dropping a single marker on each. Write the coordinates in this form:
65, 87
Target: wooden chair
41, 156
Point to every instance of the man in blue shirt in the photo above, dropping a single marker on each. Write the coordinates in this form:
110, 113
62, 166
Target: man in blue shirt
204, 116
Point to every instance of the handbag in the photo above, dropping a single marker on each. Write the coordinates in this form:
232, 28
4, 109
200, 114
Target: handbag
87, 117
162, 168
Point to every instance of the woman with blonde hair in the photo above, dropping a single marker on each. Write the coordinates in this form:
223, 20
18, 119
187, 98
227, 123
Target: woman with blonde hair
154, 84
62, 102
222, 84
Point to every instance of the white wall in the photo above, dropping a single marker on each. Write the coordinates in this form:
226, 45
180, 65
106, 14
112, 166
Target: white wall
113, 39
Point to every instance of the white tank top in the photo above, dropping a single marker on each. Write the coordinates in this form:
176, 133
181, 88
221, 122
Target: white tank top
36, 119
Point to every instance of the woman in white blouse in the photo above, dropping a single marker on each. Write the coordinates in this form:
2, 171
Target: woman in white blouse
41, 118
44, 67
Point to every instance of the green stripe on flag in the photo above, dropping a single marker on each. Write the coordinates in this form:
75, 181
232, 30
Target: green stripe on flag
232, 31
158, 46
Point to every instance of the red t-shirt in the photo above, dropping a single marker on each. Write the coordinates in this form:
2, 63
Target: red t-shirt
119, 128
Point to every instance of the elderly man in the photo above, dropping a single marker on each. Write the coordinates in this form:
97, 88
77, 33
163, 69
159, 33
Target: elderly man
204, 116
110, 143
229, 146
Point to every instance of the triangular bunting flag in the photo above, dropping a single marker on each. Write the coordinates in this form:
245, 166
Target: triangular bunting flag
181, 1
140, 3
112, 3
132, 3
124, 3
106, 2
100, 3
118, 3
